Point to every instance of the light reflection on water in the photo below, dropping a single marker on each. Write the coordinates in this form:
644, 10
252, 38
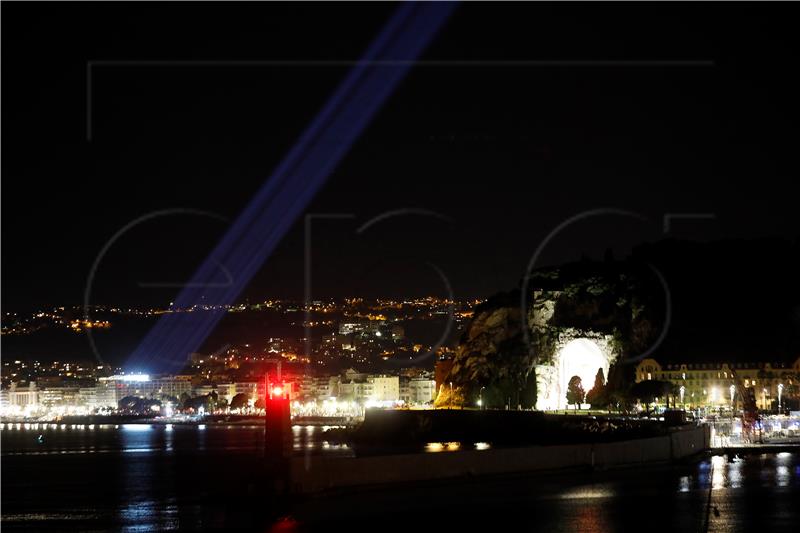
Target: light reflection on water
782, 476
718, 472
735, 474
148, 477
186, 479
593, 491
136, 427
722, 472
79, 439
312, 439
150, 515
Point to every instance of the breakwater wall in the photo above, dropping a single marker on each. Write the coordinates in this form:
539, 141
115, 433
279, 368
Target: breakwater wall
318, 473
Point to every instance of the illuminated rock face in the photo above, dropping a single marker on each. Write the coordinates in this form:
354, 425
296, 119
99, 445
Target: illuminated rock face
491, 347
576, 320
577, 353
542, 308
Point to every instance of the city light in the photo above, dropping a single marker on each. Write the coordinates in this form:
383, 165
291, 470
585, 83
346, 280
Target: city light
131, 377
137, 427
443, 446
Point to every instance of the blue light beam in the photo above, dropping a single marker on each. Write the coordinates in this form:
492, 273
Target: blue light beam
293, 184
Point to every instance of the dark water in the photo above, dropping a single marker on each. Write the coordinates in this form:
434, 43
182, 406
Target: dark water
141, 478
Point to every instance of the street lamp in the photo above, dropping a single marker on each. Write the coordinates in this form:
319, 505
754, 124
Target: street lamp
733, 391
451, 395
683, 391
480, 397
780, 390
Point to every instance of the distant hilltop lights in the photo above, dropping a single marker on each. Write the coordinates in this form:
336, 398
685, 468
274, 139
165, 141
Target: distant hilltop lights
377, 310
338, 333
79, 325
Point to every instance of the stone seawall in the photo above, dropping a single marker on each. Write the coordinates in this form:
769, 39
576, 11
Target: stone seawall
319, 473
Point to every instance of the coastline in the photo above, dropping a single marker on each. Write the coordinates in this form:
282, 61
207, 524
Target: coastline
212, 420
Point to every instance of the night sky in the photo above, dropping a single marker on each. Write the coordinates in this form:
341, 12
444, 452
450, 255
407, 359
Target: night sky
670, 109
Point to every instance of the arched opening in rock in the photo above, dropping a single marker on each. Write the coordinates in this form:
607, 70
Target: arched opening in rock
582, 358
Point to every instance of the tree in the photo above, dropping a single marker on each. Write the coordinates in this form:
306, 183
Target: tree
150, 405
239, 401
130, 404
211, 403
167, 398
185, 396
260, 404
619, 398
186, 402
647, 391
575, 393
205, 401
597, 395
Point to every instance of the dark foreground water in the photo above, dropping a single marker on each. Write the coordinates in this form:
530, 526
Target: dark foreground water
142, 478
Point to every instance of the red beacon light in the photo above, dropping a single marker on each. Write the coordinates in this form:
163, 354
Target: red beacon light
278, 392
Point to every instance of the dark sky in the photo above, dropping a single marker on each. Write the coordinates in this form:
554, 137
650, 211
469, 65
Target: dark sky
704, 121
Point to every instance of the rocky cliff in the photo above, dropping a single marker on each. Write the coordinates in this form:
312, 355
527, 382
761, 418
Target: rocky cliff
509, 353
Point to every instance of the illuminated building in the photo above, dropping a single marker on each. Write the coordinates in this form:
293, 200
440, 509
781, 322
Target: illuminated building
325, 387
142, 386
226, 391
374, 326
366, 389
250, 388
707, 384
58, 396
96, 397
352, 390
422, 391
104, 396
353, 375
417, 391
23, 397
348, 328
383, 388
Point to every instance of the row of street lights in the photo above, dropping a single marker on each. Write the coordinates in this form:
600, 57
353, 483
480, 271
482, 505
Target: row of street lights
764, 395
732, 390
780, 393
